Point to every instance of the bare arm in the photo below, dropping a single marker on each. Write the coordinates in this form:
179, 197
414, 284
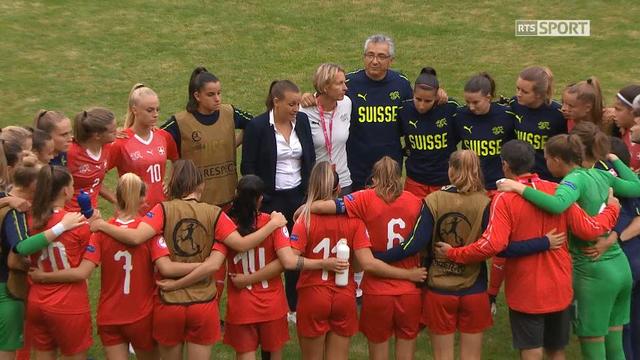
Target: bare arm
108, 195
205, 269
270, 271
241, 243
80, 273
174, 269
126, 236
382, 269
327, 207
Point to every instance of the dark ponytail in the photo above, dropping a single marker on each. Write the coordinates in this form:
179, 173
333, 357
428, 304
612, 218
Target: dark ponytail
277, 90
567, 148
245, 204
199, 78
93, 121
596, 143
427, 79
483, 83
50, 181
185, 178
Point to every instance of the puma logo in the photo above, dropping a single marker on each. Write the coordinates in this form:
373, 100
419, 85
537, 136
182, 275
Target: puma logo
363, 97
518, 117
414, 123
468, 128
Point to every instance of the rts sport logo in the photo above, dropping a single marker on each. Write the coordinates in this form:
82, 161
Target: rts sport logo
553, 28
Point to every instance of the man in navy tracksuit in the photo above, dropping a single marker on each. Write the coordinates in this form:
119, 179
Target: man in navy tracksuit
376, 93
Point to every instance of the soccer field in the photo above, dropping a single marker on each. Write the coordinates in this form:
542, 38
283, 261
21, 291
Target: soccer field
69, 55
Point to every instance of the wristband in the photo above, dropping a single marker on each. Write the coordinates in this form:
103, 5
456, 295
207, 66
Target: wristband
58, 229
340, 208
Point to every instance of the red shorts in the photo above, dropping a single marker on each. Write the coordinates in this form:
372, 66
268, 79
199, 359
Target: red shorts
270, 335
419, 189
195, 323
71, 333
385, 315
137, 333
444, 314
324, 308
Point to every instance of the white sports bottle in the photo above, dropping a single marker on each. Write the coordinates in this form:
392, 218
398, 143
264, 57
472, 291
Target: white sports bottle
342, 252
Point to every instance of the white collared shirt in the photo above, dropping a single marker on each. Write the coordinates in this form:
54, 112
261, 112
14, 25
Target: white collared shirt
288, 158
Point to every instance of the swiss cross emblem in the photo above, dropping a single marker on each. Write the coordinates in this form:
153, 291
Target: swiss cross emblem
160, 150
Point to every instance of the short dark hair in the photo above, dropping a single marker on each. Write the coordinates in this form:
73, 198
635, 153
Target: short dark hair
620, 149
519, 156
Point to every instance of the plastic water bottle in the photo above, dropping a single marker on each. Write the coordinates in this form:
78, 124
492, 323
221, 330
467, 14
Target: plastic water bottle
342, 252
84, 200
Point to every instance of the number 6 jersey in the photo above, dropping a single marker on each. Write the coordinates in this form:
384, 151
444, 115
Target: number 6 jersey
388, 225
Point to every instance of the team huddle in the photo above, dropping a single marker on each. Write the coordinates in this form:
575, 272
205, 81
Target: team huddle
524, 181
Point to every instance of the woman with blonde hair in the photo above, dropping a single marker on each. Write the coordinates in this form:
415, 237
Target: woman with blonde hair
327, 316
145, 149
190, 228
329, 119
389, 306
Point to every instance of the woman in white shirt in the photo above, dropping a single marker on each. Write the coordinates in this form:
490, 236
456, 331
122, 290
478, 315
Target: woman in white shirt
329, 120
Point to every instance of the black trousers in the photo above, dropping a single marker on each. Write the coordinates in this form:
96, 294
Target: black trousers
286, 202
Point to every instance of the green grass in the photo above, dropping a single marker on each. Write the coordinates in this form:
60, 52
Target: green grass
69, 55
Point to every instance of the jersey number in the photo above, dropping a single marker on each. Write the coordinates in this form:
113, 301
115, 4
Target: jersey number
127, 269
391, 234
248, 260
48, 253
324, 246
154, 173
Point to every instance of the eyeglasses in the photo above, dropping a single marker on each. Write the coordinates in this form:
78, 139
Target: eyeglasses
381, 57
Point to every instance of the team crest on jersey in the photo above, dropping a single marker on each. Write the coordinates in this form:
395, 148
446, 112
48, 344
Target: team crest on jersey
441, 123
544, 125
184, 233
285, 231
394, 95
196, 136
498, 130
161, 150
414, 123
135, 156
84, 168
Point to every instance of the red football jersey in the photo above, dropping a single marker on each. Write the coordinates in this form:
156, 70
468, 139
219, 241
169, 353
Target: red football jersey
155, 218
88, 172
260, 302
64, 253
634, 150
127, 284
320, 243
388, 226
145, 158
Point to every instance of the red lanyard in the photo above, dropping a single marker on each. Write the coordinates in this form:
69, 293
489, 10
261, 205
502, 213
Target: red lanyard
327, 136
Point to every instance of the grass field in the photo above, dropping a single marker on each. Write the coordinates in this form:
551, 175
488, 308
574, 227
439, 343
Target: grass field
69, 55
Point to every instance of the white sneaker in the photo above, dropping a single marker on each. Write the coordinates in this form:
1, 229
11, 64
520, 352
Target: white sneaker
131, 351
292, 317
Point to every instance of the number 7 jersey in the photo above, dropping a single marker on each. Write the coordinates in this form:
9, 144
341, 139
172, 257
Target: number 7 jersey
389, 224
127, 283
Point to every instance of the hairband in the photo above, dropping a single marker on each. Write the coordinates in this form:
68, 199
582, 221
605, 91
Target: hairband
624, 100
